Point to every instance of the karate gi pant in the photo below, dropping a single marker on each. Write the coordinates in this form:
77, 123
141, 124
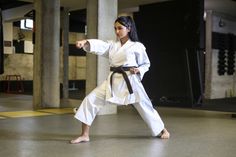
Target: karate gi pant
94, 102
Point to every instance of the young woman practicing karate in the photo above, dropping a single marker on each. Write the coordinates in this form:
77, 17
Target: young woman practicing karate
128, 63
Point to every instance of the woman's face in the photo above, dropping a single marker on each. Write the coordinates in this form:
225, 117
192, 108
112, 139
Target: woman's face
121, 31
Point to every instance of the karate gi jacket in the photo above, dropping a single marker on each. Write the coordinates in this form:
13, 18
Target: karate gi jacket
131, 54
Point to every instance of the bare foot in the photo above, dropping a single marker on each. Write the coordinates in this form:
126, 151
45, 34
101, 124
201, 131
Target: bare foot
165, 134
80, 139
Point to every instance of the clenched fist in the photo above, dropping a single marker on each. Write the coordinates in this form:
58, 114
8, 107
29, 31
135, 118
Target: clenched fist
79, 44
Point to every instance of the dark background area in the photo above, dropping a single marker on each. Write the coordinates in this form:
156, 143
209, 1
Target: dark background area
173, 35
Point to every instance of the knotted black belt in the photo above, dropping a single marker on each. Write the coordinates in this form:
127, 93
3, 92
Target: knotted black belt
122, 70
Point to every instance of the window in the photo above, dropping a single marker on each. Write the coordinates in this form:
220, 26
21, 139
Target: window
26, 24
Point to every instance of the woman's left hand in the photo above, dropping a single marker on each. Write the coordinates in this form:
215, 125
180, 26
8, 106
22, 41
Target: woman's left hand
134, 70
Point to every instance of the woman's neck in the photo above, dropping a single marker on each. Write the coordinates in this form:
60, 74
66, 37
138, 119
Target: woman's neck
124, 40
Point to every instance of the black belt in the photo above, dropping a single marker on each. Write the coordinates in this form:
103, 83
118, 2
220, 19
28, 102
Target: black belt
122, 70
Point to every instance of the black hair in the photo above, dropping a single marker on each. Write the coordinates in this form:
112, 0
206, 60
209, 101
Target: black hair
128, 22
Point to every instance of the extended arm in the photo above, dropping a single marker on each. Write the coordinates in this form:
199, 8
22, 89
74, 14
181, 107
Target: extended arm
95, 46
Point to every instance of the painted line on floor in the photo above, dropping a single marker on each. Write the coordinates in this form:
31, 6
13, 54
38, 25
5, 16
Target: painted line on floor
19, 114
29, 113
57, 111
2, 117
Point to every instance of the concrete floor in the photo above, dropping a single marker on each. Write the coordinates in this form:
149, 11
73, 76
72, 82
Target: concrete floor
194, 133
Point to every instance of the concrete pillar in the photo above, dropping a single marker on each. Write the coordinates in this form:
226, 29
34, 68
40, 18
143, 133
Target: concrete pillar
46, 83
91, 60
65, 45
208, 56
101, 15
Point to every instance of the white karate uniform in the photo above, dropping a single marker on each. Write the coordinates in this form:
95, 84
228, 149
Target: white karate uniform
129, 55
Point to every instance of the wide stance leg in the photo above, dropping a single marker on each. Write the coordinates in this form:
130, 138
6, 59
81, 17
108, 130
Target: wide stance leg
152, 119
89, 108
87, 112
84, 137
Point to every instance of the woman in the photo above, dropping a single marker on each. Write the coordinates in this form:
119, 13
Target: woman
128, 63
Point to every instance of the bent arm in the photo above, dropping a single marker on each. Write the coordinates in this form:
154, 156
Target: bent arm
142, 61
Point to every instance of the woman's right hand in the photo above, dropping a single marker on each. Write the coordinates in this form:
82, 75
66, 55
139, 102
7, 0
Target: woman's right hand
134, 70
79, 44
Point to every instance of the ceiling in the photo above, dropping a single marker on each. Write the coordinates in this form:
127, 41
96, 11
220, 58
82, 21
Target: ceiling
7, 4
222, 6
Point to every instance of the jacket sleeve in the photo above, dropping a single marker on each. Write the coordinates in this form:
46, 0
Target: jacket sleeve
97, 47
142, 60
